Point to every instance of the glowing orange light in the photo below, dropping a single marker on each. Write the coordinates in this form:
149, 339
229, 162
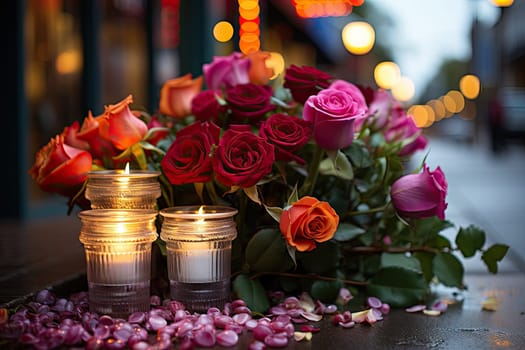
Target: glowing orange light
223, 31
502, 3
470, 86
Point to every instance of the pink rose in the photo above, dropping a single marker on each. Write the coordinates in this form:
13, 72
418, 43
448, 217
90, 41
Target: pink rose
333, 112
287, 133
379, 110
188, 158
242, 158
421, 195
226, 71
402, 128
305, 81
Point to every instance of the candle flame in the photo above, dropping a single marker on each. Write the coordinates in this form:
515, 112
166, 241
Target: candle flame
200, 212
126, 169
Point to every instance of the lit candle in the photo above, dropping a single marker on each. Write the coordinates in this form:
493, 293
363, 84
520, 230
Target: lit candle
199, 243
117, 245
121, 189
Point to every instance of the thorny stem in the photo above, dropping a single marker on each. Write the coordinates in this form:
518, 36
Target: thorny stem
396, 250
313, 172
366, 212
316, 277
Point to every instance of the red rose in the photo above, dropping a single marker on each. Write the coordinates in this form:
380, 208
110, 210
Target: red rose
158, 135
60, 168
99, 147
188, 158
288, 134
119, 125
205, 106
305, 81
242, 158
308, 221
249, 102
71, 138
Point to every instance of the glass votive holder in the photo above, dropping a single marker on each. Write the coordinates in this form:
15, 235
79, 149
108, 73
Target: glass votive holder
117, 244
198, 242
118, 189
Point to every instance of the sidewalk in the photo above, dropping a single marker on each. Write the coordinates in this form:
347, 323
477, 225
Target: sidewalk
487, 190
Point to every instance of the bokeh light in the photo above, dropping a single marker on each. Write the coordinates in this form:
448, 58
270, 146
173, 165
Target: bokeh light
404, 90
223, 31
387, 74
459, 101
423, 115
68, 62
502, 3
249, 33
439, 109
470, 86
358, 37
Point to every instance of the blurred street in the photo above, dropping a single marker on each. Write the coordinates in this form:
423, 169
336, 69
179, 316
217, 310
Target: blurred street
487, 190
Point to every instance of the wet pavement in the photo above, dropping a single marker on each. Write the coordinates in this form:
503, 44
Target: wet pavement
487, 190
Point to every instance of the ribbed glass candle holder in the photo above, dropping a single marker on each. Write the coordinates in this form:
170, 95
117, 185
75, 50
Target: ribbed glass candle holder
198, 242
117, 245
116, 189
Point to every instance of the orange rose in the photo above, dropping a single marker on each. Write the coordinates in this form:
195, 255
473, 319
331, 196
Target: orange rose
176, 95
119, 125
60, 168
308, 221
259, 73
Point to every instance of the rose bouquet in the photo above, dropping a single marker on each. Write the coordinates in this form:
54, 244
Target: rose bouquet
317, 168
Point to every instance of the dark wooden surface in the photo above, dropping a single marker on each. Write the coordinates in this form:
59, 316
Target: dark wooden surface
47, 253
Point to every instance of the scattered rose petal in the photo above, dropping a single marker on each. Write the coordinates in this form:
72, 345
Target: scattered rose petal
312, 317
440, 306
374, 302
359, 317
431, 312
416, 308
308, 328
490, 304
227, 338
298, 336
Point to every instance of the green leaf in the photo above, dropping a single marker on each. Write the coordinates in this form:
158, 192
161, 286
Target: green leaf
429, 228
440, 242
324, 258
337, 165
199, 189
266, 252
326, 291
469, 240
275, 212
448, 269
294, 196
252, 193
400, 260
150, 147
494, 254
346, 231
425, 260
139, 155
252, 292
398, 286
359, 155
